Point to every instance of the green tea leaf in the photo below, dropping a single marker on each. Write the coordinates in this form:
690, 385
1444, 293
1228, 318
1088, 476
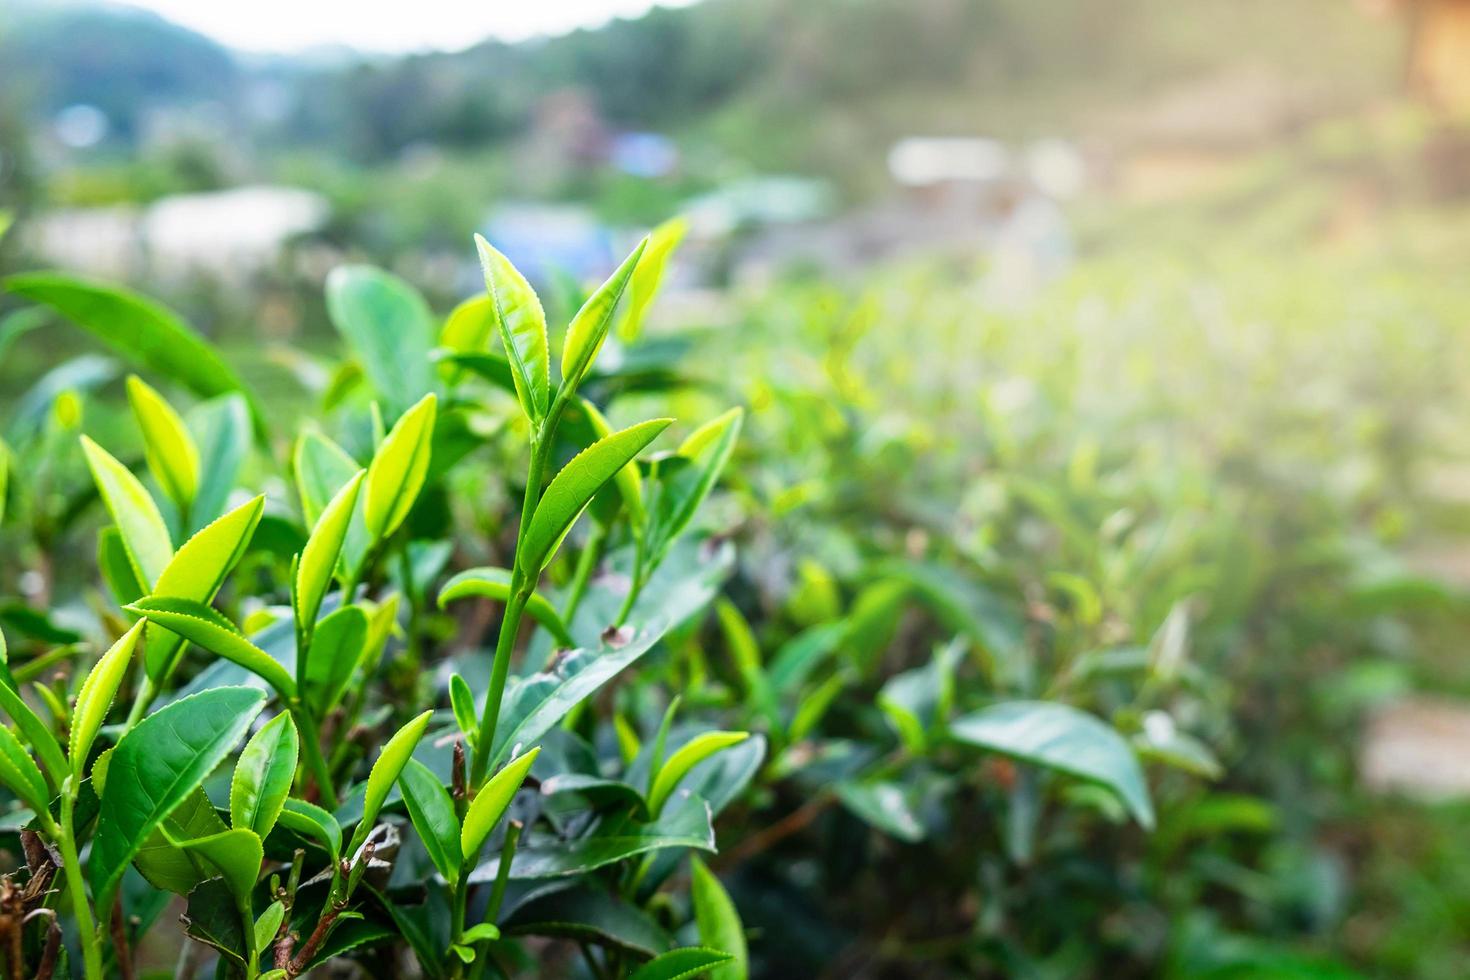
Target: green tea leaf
462, 700
203, 625
117, 567
573, 488
36, 732
685, 824
591, 914
318, 560
263, 776
680, 495
141, 330
268, 924
1060, 737
470, 325
19, 773
398, 469
491, 801
336, 650
198, 570
212, 917
384, 774
221, 428
432, 812
884, 805
312, 821
680, 964
719, 923
590, 326
494, 583
236, 854
155, 766
96, 695
629, 481
649, 274
172, 456
522, 324
133, 511
693, 752
388, 325
322, 469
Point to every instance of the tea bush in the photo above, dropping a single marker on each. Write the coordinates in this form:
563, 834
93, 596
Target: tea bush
969, 644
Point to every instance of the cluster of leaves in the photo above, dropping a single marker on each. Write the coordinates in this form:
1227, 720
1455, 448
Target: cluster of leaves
357, 816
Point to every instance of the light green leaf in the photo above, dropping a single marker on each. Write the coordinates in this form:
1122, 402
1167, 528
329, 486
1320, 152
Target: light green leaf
494, 583
132, 510
884, 805
221, 428
201, 624
336, 650
144, 332
36, 732
96, 695
1060, 737
470, 325
322, 468
398, 469
263, 776
680, 964
649, 274
590, 326
719, 922
267, 926
155, 767
19, 773
462, 700
680, 493
388, 325
522, 324
480, 933
319, 558
573, 488
117, 568
312, 821
629, 481
691, 754
236, 854
384, 774
432, 812
491, 802
170, 450
198, 570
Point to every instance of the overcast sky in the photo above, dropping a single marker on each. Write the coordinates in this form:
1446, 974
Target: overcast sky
384, 25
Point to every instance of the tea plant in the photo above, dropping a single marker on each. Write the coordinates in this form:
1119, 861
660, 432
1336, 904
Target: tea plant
285, 860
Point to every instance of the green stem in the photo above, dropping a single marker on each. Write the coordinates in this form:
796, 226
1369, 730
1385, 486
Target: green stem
587, 562
315, 761
141, 703
502, 873
509, 626
65, 837
634, 587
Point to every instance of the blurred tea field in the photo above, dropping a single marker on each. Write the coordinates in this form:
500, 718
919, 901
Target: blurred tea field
1206, 480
